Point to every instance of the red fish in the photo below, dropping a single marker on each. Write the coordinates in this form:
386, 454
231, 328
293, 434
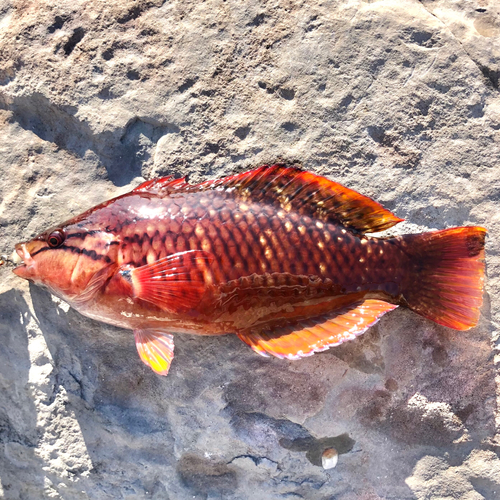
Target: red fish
276, 255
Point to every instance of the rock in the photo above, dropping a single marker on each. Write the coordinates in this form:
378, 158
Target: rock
397, 99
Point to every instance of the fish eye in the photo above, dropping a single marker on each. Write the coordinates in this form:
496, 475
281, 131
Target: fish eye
56, 238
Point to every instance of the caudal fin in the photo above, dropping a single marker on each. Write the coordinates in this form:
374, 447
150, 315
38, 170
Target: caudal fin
445, 284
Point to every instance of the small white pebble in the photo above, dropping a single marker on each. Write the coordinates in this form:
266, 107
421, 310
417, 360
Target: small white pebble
329, 458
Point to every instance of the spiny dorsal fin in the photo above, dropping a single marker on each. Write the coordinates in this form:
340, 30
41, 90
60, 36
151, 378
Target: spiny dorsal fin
294, 190
155, 186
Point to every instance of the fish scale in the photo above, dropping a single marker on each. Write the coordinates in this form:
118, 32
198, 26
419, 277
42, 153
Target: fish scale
277, 244
276, 255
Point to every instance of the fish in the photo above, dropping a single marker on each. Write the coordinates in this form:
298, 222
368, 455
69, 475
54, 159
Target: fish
279, 256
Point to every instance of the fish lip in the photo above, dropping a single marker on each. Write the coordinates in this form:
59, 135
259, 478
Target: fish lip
26, 263
22, 252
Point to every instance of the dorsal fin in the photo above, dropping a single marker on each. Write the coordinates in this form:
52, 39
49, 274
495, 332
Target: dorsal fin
154, 185
294, 190
304, 192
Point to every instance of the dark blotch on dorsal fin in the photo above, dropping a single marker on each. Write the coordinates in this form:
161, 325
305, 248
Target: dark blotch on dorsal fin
294, 190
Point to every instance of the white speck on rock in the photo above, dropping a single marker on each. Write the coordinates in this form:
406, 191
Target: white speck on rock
329, 458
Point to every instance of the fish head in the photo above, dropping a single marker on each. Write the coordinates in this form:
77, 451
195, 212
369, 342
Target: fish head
65, 258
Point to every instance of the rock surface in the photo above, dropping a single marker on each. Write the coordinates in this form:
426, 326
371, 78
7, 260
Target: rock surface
398, 99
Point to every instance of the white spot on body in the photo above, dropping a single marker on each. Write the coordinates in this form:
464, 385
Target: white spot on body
207, 276
151, 256
199, 231
205, 245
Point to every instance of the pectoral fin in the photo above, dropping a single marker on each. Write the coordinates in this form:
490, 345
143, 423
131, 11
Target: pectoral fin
306, 337
175, 283
155, 348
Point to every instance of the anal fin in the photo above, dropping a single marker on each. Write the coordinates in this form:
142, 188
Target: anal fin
155, 348
319, 333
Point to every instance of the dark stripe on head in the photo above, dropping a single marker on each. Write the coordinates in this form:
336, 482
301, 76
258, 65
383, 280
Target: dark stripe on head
89, 253
83, 234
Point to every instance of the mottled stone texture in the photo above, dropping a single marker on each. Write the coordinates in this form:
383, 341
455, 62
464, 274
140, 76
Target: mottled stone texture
397, 99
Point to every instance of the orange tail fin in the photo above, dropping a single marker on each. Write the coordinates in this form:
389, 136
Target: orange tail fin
446, 282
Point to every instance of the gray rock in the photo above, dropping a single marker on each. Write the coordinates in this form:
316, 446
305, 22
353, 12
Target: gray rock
397, 99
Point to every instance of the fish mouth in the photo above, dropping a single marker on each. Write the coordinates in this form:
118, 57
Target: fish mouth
22, 257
